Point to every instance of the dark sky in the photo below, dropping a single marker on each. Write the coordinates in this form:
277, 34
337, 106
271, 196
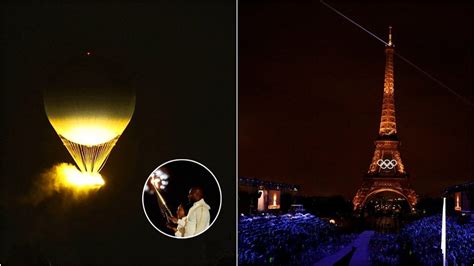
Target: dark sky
182, 55
311, 84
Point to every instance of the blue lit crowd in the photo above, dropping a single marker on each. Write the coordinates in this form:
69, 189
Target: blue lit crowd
424, 236
299, 239
384, 249
303, 239
421, 240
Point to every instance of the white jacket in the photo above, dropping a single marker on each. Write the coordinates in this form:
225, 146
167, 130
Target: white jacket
197, 219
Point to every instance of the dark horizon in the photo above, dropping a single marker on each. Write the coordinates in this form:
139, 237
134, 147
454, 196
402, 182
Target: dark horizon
311, 84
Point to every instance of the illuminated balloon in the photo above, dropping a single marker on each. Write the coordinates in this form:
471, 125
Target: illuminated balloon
89, 103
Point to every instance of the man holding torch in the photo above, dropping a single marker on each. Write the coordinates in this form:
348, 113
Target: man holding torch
198, 215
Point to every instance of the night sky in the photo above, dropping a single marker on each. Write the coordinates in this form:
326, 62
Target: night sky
182, 56
311, 84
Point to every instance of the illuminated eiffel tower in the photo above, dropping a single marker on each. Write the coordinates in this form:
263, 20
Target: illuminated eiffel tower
386, 171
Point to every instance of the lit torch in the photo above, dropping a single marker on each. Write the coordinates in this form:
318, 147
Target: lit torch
159, 181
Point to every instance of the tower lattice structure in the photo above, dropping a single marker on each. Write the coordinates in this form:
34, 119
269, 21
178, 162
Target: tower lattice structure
386, 171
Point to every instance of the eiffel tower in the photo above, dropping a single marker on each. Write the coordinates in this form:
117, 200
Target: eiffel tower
386, 171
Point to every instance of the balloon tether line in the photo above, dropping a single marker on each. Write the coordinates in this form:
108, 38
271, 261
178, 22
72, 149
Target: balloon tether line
464, 99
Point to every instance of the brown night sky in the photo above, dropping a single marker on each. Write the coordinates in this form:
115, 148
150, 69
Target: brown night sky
310, 93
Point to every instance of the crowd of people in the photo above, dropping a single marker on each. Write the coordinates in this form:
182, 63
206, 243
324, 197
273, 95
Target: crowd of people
290, 239
303, 239
384, 249
420, 241
424, 238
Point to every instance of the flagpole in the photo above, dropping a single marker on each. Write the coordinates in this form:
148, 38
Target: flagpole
443, 232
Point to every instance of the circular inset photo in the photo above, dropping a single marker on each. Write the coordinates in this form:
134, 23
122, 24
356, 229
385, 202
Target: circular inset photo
181, 198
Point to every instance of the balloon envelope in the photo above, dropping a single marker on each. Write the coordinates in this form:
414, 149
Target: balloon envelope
89, 103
